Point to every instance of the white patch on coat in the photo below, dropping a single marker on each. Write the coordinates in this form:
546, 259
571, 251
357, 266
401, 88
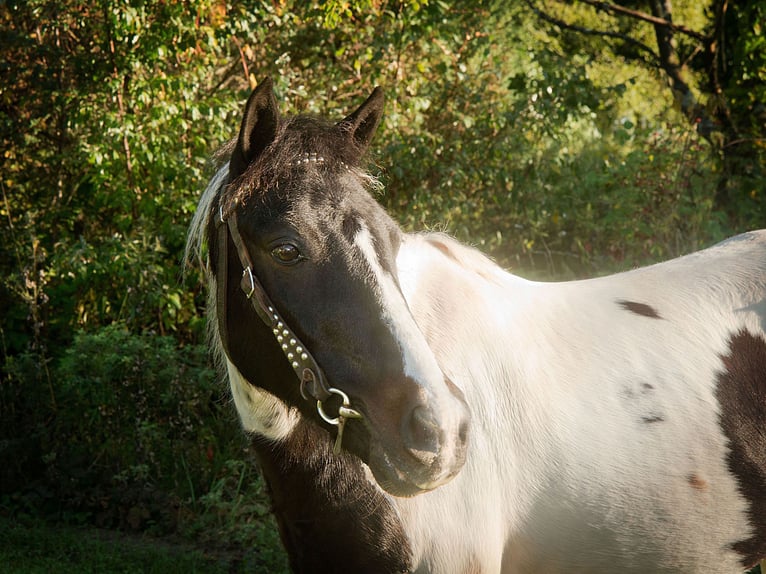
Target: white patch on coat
259, 411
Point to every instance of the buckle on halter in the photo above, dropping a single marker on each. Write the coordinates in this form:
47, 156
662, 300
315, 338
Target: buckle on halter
249, 274
345, 412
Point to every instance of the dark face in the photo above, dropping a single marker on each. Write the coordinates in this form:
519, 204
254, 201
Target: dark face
325, 251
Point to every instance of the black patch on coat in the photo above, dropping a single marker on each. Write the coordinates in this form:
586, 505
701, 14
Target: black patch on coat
639, 308
741, 393
649, 419
331, 518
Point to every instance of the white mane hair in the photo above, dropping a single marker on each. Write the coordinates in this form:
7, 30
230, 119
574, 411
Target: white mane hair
195, 250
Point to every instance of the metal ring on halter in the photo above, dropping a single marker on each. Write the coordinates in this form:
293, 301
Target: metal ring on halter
249, 273
344, 412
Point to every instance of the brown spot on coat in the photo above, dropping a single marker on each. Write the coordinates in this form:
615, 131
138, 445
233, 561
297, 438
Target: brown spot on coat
741, 394
639, 308
696, 482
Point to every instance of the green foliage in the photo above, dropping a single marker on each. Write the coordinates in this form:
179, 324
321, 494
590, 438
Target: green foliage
712, 58
609, 207
235, 510
122, 416
119, 108
137, 435
122, 115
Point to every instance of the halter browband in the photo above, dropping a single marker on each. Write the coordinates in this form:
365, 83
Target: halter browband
312, 380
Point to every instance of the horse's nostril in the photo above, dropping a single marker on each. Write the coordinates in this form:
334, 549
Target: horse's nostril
422, 434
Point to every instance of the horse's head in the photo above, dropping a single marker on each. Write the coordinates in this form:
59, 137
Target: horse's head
320, 314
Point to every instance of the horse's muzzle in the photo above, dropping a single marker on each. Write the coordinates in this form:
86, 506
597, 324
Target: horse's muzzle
430, 448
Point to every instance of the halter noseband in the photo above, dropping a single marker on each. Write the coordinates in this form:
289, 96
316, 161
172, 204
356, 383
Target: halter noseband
312, 380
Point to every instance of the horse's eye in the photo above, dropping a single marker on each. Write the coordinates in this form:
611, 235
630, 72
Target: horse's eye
286, 253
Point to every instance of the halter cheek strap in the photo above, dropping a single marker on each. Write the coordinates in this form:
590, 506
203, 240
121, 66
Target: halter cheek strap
312, 380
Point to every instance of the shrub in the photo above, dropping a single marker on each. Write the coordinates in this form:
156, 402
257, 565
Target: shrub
135, 427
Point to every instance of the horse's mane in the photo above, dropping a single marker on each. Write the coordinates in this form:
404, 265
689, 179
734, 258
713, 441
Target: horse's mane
196, 252
195, 239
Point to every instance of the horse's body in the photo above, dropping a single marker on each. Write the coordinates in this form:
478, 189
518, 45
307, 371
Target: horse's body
617, 424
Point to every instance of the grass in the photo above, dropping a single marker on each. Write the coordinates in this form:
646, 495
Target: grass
40, 548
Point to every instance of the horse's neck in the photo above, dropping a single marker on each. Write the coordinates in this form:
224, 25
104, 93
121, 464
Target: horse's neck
469, 310
481, 323
476, 318
331, 517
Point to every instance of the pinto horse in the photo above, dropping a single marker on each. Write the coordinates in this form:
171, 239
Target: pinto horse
417, 409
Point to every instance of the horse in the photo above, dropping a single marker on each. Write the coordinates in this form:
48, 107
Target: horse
416, 408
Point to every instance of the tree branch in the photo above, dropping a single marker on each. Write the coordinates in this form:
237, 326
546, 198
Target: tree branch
665, 58
683, 94
635, 14
653, 60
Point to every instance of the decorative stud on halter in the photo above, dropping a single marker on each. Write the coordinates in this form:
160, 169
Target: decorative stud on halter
309, 158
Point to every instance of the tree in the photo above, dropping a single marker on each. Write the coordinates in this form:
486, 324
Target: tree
714, 64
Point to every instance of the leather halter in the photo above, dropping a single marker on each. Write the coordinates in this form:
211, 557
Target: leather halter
312, 380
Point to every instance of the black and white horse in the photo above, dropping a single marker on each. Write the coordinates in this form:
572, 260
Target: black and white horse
418, 409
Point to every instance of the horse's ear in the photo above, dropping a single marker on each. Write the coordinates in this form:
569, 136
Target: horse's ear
258, 130
361, 125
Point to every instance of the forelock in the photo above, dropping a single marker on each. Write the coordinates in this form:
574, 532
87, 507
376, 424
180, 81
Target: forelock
306, 150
